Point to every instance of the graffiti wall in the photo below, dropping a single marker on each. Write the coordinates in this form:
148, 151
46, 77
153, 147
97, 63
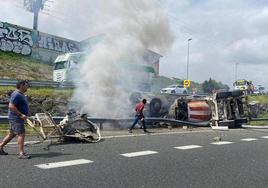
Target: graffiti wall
32, 43
15, 39
58, 44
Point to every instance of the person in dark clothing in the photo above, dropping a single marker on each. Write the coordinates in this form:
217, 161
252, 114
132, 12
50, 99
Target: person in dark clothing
139, 116
18, 110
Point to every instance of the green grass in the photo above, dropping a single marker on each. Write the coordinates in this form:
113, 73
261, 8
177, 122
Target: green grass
263, 99
41, 92
4, 129
17, 66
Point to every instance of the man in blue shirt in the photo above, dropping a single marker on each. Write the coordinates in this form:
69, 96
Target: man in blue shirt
18, 110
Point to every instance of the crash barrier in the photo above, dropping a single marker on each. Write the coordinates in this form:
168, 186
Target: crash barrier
125, 122
259, 119
36, 83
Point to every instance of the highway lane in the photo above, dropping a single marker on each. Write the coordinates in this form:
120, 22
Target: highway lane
169, 160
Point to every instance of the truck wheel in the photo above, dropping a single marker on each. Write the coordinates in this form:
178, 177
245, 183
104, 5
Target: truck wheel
227, 123
223, 95
155, 107
239, 122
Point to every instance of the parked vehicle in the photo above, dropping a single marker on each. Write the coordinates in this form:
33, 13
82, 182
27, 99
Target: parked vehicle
244, 85
259, 90
174, 89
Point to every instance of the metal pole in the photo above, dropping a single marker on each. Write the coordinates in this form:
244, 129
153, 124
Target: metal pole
35, 21
188, 58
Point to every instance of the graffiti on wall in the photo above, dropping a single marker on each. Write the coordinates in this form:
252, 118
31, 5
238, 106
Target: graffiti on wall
17, 40
56, 44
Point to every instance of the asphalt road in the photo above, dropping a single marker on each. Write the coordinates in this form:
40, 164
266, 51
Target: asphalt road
112, 163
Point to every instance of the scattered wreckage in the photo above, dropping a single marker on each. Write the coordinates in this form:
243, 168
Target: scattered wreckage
73, 127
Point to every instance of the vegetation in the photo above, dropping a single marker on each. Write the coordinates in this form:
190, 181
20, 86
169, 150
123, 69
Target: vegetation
209, 85
263, 99
41, 92
4, 130
15, 66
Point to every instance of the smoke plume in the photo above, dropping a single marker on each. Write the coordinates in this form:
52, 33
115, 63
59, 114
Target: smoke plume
128, 29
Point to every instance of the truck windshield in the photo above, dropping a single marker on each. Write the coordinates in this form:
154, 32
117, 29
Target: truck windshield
60, 65
240, 83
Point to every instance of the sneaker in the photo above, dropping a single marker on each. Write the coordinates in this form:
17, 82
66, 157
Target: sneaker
129, 130
2, 152
24, 156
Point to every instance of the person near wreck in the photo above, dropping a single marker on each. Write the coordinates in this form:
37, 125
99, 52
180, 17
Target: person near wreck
139, 116
18, 111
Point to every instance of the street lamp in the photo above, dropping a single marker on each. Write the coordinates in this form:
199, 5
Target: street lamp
188, 58
236, 71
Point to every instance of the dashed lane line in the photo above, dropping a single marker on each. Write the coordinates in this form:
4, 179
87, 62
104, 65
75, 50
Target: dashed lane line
264, 136
139, 153
221, 143
248, 139
188, 147
63, 164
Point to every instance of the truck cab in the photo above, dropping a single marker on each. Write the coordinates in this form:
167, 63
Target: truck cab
67, 65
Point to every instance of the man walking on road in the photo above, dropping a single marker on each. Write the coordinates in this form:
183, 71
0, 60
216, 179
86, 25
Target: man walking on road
18, 110
139, 116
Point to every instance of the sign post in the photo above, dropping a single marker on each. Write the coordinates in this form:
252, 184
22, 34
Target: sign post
186, 83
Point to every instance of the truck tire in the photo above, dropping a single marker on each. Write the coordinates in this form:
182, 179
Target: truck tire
227, 123
223, 95
155, 107
239, 122
237, 93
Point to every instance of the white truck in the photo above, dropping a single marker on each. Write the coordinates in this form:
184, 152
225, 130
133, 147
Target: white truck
67, 65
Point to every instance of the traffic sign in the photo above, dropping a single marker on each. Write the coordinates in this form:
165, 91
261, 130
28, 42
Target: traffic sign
186, 83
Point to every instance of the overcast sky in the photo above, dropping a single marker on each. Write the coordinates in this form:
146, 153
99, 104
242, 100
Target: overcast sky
223, 32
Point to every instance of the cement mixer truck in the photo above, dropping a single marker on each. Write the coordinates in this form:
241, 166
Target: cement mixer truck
229, 109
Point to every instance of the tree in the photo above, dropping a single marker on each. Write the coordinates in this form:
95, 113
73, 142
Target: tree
210, 85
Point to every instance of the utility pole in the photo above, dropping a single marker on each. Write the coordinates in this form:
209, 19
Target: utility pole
34, 6
187, 77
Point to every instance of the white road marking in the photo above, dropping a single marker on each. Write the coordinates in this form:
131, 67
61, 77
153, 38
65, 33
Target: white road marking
139, 153
188, 147
248, 139
63, 164
264, 136
156, 134
221, 143
25, 143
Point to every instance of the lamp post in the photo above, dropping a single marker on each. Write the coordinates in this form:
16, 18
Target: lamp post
188, 58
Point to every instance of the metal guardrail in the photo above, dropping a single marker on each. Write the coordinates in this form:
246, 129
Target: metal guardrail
36, 83
259, 119
101, 121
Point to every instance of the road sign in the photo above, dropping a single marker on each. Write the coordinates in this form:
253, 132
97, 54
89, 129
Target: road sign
186, 83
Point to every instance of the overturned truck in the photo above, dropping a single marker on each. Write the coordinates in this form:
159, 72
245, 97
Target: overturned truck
228, 109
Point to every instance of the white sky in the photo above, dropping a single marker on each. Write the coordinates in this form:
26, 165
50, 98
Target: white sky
224, 32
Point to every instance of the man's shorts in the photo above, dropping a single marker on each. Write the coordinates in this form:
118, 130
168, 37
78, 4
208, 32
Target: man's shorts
16, 127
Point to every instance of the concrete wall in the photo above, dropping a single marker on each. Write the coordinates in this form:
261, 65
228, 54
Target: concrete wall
47, 47
33, 43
